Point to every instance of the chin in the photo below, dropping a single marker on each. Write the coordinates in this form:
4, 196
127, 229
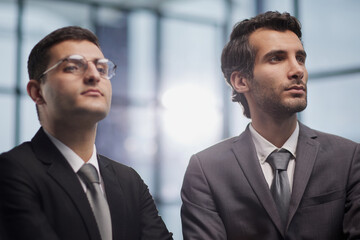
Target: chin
100, 114
298, 107
95, 112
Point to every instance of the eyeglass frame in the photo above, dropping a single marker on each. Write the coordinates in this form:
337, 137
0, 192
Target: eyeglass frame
113, 71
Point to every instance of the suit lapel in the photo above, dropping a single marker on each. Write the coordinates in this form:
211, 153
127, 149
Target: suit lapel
115, 198
306, 152
60, 170
245, 153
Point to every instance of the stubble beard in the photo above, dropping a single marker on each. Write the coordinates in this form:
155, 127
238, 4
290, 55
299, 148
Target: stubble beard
272, 103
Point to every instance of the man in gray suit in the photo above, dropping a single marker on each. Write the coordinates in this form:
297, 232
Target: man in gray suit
233, 190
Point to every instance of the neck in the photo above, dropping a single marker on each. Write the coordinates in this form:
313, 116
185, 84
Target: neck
79, 139
276, 130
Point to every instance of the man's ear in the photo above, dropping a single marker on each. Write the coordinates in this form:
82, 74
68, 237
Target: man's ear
34, 91
239, 82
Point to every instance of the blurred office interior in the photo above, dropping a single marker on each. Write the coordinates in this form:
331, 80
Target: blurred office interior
170, 99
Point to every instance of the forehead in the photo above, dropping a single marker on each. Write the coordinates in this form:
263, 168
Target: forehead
70, 47
266, 40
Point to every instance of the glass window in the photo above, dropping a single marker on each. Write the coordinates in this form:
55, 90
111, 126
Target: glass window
142, 50
29, 123
330, 41
195, 10
8, 13
240, 10
191, 94
278, 5
333, 105
238, 121
330, 34
190, 55
7, 120
191, 101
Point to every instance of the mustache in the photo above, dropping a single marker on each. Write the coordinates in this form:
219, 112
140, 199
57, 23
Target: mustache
297, 84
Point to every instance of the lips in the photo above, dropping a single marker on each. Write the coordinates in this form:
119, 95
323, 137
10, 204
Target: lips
92, 92
297, 89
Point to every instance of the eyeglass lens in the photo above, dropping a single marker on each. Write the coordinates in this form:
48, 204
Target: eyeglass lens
77, 64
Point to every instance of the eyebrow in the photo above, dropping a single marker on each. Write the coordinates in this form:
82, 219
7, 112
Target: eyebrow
301, 52
273, 53
282, 52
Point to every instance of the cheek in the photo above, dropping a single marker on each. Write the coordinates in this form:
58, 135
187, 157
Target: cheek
268, 73
306, 76
62, 93
49, 93
108, 89
267, 81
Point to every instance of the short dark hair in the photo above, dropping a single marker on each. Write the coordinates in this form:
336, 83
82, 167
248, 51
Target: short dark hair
239, 55
39, 56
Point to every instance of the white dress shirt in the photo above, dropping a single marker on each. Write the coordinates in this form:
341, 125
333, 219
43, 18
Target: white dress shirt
264, 148
74, 160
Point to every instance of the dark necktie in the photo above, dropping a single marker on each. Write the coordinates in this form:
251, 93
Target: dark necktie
97, 200
280, 187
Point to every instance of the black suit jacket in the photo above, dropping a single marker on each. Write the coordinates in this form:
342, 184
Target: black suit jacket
225, 194
42, 198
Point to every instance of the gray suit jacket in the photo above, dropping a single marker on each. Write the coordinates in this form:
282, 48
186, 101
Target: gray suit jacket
225, 194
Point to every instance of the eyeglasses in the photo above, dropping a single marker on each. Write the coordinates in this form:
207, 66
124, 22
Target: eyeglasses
77, 65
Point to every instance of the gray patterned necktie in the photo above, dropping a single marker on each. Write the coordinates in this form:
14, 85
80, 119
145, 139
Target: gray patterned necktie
98, 203
280, 187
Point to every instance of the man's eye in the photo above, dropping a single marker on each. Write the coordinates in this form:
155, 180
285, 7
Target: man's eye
275, 59
102, 69
73, 67
301, 59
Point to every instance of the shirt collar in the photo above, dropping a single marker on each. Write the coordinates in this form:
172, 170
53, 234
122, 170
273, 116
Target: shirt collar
264, 148
73, 159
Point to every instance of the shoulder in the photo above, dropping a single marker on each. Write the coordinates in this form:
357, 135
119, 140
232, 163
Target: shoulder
20, 166
219, 148
214, 156
116, 175
328, 143
324, 138
17, 153
225, 149
22, 148
122, 171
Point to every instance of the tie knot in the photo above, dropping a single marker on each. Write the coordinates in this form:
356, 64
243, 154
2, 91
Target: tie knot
279, 160
88, 173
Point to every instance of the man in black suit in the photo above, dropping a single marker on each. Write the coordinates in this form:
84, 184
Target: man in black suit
234, 189
43, 196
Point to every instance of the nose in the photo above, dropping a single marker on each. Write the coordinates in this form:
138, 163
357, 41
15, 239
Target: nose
91, 75
296, 70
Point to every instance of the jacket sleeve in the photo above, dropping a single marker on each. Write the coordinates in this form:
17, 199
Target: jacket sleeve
351, 224
199, 216
151, 224
21, 216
